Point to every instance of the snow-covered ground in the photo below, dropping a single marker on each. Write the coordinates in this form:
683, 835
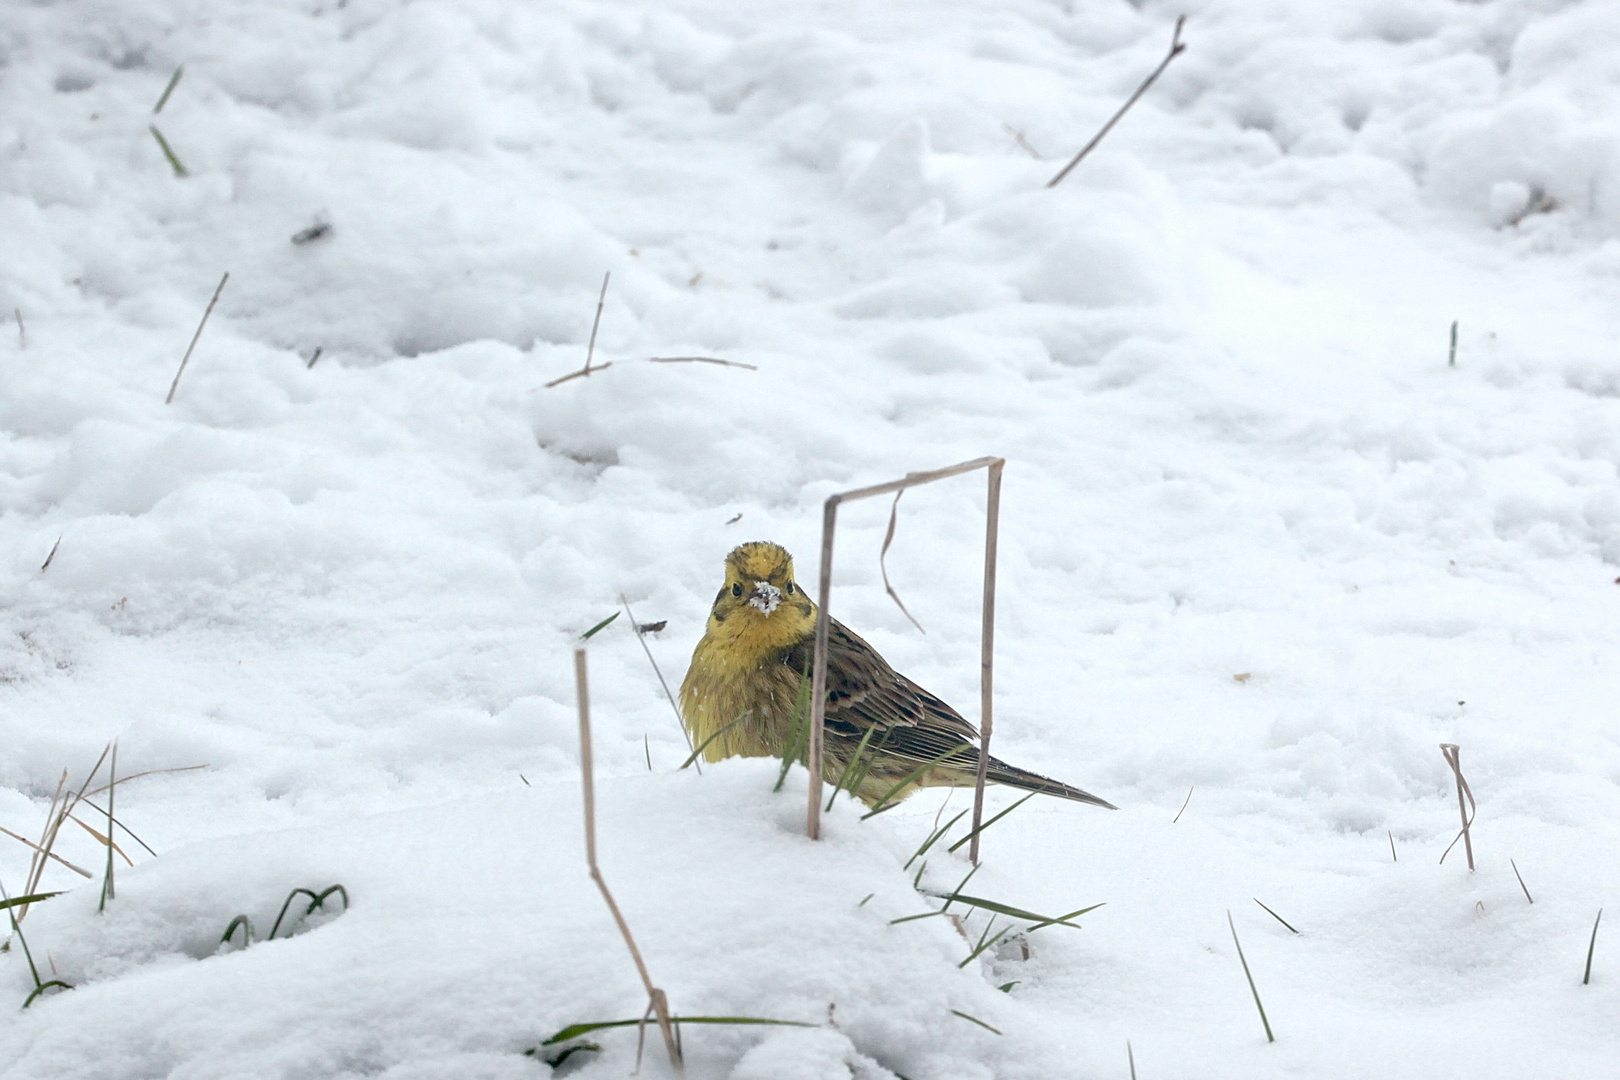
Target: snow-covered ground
1259, 539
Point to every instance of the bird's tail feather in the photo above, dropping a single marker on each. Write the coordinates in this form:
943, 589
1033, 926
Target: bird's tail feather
1012, 776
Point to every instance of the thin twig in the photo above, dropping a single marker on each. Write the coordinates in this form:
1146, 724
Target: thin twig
1183, 809
676, 709
186, 358
46, 565
1522, 885
700, 360
1248, 975
1130, 1056
658, 1003
577, 374
818, 692
1590, 947
1392, 856
174, 81
314, 357
1176, 49
1453, 756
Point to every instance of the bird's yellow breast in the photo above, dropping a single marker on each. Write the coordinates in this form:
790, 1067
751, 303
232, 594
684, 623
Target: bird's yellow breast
737, 678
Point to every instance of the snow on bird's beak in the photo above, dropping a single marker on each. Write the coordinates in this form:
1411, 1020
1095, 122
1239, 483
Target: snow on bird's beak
765, 597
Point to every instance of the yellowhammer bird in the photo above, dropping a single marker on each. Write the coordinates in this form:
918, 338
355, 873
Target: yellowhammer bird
741, 692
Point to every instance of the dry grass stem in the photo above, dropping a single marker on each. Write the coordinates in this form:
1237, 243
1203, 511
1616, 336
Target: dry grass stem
1176, 49
657, 1003
46, 565
48, 854
818, 694
1183, 809
1453, 755
641, 636
100, 838
194, 337
1130, 1056
596, 323
316, 355
700, 360
883, 562
1392, 856
1522, 885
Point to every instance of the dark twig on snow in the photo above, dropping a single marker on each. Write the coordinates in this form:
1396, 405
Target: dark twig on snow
313, 357
46, 565
1176, 49
194, 337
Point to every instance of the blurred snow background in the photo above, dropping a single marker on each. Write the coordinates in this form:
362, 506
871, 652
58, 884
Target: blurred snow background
1215, 358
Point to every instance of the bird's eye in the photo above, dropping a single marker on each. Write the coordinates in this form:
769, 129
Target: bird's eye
736, 589
790, 588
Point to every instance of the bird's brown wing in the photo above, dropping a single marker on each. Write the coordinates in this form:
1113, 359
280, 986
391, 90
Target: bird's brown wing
864, 693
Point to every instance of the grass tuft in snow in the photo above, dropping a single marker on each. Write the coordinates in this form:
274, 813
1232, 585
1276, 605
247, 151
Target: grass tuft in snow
1250, 976
108, 889
11, 905
798, 733
1591, 947
848, 776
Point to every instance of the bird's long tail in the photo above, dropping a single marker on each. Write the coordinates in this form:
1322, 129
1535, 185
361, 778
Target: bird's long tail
1012, 776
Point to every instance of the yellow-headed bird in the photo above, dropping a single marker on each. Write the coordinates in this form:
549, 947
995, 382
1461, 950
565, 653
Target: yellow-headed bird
740, 694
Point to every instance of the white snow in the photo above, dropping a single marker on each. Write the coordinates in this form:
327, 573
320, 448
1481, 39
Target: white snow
1258, 540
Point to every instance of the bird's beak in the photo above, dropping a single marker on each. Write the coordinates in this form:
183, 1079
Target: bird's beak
765, 597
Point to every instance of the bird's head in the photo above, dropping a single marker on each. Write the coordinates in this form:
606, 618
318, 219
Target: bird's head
761, 604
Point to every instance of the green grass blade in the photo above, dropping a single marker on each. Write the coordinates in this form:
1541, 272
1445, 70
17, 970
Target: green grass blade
975, 1020
34, 898
704, 745
1017, 913
983, 943
587, 635
285, 905
986, 824
44, 986
913, 918
174, 81
1248, 975
1590, 948
247, 931
174, 162
799, 733
1274, 915
850, 768
957, 891
932, 839
884, 803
